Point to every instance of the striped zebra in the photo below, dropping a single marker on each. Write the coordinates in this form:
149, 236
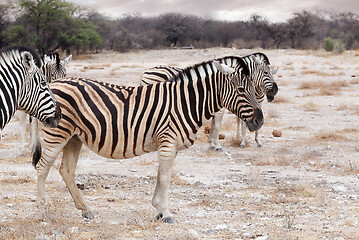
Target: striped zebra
260, 74
262, 77
57, 69
53, 68
24, 87
124, 122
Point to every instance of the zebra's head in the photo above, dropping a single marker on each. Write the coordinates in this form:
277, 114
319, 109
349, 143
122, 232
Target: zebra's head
239, 94
53, 67
36, 97
262, 76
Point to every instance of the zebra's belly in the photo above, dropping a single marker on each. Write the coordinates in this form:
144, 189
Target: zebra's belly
121, 149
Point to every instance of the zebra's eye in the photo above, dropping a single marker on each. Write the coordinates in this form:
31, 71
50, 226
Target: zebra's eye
43, 83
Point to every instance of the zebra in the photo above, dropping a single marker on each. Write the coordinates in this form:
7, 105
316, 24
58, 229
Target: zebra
265, 86
53, 68
24, 87
57, 69
260, 75
124, 122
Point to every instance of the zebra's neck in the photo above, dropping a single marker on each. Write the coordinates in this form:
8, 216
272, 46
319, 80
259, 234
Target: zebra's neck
202, 97
10, 87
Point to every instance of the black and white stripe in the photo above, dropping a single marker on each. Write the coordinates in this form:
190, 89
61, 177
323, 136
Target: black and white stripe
24, 87
260, 75
53, 68
123, 122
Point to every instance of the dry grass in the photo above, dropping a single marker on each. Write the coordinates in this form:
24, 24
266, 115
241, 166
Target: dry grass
278, 99
321, 73
324, 88
97, 66
334, 135
310, 107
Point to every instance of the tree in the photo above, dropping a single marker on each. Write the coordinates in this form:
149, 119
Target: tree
4, 22
79, 34
300, 28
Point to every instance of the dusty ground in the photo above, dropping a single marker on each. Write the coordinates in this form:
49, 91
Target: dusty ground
303, 185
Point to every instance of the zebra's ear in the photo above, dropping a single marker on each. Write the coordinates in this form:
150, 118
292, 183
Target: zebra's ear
223, 68
46, 59
67, 60
274, 71
28, 61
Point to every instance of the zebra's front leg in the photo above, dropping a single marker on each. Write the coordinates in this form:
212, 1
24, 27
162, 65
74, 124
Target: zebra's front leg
22, 130
259, 144
216, 124
242, 126
166, 155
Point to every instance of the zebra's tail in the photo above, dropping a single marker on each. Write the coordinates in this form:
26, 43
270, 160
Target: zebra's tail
35, 142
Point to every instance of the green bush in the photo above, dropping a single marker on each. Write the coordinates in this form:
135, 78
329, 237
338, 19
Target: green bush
329, 44
334, 45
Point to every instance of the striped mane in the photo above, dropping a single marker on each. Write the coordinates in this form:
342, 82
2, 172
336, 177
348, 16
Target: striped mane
4, 53
186, 72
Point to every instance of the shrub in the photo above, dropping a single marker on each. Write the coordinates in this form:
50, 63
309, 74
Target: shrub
334, 45
329, 44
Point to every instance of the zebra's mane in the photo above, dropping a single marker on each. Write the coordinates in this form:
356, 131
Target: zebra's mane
57, 58
187, 71
5, 51
260, 56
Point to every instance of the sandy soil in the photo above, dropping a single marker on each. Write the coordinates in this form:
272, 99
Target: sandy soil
303, 185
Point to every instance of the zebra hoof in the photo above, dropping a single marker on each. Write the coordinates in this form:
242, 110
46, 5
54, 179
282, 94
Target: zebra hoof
242, 146
259, 145
88, 215
165, 220
219, 149
159, 216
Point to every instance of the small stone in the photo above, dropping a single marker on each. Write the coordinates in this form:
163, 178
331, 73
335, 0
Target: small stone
248, 164
193, 233
221, 136
339, 188
207, 129
277, 133
221, 227
208, 231
74, 230
262, 238
247, 235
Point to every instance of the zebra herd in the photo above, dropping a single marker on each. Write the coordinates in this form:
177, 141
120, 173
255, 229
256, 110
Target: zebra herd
163, 114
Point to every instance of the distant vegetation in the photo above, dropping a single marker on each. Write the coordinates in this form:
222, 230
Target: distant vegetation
56, 24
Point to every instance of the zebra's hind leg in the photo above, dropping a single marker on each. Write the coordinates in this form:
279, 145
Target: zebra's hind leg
166, 155
213, 137
70, 158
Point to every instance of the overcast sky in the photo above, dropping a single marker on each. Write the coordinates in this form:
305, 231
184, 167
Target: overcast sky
272, 10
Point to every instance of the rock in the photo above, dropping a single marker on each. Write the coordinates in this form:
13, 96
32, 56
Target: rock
221, 136
208, 231
262, 238
207, 129
247, 235
221, 227
339, 188
277, 133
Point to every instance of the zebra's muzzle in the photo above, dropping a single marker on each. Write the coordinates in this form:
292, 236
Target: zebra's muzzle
256, 122
52, 122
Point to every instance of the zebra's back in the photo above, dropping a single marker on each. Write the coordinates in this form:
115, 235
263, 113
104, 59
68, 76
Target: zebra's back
158, 74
